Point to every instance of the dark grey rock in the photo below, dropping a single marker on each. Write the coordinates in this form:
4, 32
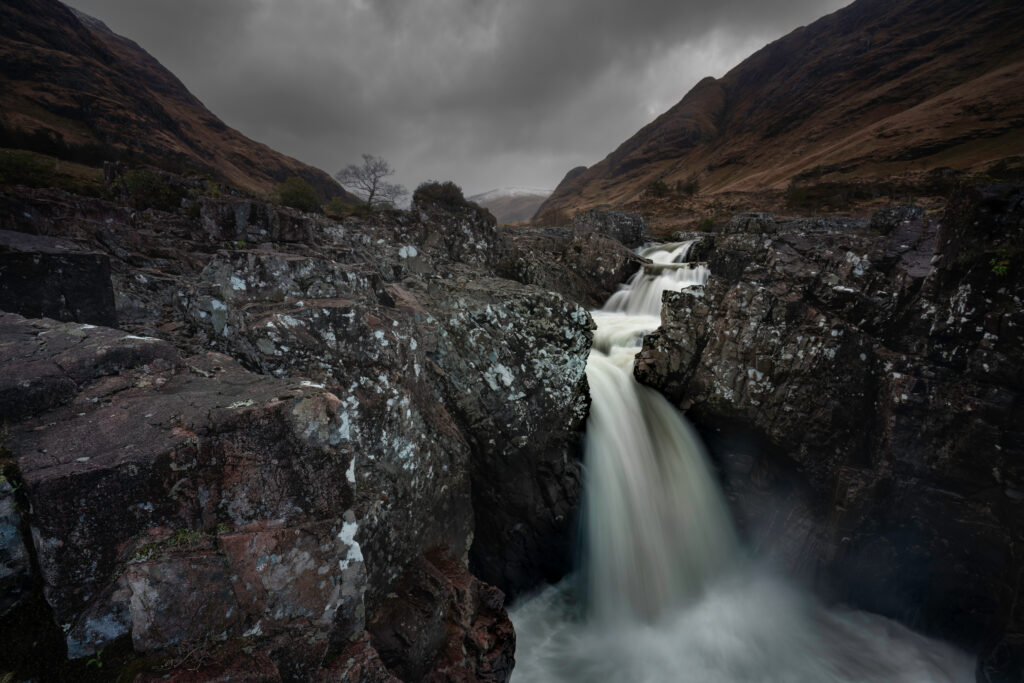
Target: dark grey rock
48, 278
15, 566
864, 387
627, 228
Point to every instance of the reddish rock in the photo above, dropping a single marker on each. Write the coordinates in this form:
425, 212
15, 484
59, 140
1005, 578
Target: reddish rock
443, 624
150, 467
235, 668
359, 661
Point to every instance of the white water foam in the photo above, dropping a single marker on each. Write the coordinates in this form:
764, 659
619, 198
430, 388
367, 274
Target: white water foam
664, 592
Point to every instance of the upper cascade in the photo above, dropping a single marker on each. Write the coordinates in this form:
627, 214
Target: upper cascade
668, 271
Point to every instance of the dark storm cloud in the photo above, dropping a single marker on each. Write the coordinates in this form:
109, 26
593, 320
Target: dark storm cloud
486, 92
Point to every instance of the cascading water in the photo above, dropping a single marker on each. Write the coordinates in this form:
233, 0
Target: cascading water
663, 592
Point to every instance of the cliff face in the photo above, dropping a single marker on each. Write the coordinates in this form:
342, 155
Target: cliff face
297, 451
67, 77
877, 90
862, 384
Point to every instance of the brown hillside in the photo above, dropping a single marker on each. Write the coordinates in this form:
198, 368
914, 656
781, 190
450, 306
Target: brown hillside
879, 90
66, 75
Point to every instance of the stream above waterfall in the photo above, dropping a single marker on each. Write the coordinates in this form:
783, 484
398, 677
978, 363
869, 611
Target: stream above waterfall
664, 590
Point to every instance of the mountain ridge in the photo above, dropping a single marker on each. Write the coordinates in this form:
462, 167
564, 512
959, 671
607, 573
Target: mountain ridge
68, 77
876, 90
511, 204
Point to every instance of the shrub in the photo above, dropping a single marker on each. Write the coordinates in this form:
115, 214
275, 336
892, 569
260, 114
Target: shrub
148, 190
336, 207
435, 192
657, 188
298, 194
688, 189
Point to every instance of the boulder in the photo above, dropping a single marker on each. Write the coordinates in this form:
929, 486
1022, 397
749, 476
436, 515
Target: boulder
236, 219
860, 391
506, 360
627, 228
45, 277
440, 623
585, 267
157, 473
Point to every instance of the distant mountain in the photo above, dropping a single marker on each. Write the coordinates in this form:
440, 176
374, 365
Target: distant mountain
881, 89
68, 80
512, 204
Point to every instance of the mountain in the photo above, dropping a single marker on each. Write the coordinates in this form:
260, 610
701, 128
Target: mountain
512, 204
69, 83
877, 91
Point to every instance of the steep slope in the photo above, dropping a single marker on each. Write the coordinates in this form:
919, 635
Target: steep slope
877, 90
67, 79
511, 205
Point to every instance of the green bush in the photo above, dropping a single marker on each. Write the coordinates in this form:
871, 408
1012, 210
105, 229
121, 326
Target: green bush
148, 190
298, 194
336, 207
435, 192
25, 168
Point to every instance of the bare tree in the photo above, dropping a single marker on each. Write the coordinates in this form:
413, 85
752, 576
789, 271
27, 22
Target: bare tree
369, 182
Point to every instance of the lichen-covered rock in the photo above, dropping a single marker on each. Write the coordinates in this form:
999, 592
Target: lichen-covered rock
513, 361
153, 475
865, 388
506, 360
584, 267
627, 228
365, 308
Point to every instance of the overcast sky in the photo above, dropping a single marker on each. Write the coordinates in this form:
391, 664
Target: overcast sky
488, 93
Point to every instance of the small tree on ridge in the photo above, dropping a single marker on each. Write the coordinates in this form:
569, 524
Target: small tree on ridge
369, 183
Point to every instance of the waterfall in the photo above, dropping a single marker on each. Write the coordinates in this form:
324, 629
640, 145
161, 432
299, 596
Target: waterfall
656, 529
664, 592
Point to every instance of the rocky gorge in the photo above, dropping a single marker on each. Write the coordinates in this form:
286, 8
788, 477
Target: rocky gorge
312, 429
241, 439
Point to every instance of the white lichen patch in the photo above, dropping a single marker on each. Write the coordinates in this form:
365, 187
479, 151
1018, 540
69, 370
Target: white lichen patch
498, 373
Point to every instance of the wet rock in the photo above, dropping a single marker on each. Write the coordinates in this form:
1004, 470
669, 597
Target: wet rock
43, 277
359, 661
586, 268
442, 624
157, 475
426, 353
513, 361
237, 668
627, 228
507, 360
15, 566
861, 388
1002, 662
